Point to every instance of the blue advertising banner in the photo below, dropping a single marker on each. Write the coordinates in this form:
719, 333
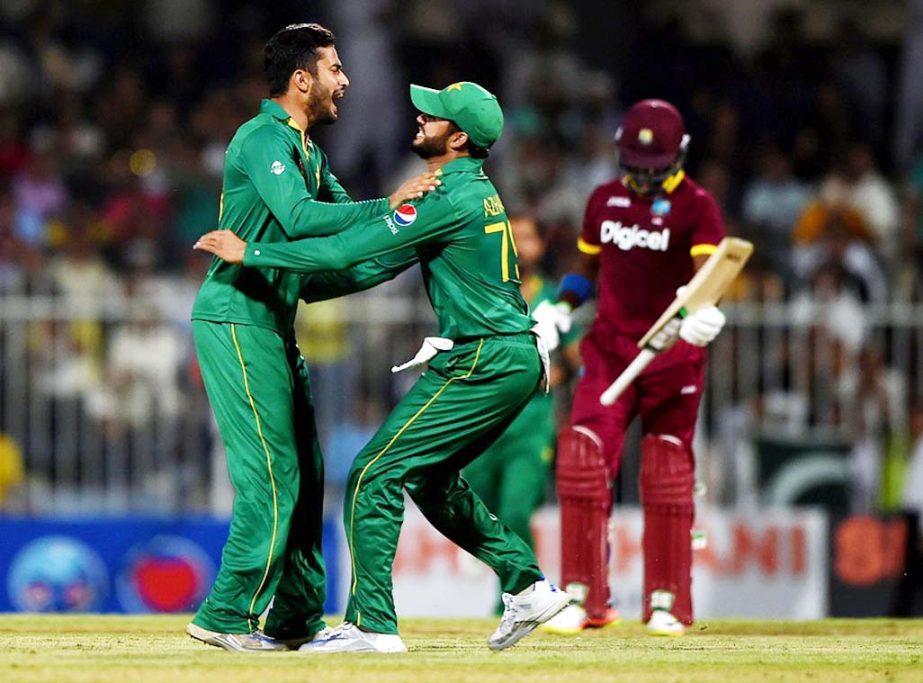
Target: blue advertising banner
133, 565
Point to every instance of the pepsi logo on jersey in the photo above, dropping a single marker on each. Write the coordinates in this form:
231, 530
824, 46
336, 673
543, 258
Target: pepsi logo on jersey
627, 238
405, 215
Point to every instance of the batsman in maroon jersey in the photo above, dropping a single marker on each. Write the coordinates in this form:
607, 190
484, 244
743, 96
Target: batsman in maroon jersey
644, 235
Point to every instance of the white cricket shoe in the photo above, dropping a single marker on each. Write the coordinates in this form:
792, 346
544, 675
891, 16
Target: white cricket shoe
568, 622
253, 642
524, 611
662, 623
295, 643
348, 637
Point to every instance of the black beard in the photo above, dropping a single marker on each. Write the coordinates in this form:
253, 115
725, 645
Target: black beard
427, 148
321, 111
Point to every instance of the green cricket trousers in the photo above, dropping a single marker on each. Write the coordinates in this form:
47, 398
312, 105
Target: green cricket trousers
512, 475
458, 407
258, 386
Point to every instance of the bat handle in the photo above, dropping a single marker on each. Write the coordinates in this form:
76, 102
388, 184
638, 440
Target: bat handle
629, 374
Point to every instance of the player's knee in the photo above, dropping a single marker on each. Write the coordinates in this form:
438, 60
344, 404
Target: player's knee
582, 472
667, 471
361, 474
352, 478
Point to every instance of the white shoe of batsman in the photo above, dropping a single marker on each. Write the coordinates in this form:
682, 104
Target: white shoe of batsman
349, 638
526, 610
662, 623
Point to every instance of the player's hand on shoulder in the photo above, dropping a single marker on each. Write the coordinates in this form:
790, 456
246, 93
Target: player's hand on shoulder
224, 244
551, 321
701, 328
414, 188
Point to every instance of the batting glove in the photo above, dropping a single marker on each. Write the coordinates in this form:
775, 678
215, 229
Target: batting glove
551, 320
701, 328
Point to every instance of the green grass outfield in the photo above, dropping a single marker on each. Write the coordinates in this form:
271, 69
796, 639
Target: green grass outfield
154, 649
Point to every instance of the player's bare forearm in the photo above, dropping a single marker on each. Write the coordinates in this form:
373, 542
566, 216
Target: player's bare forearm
224, 244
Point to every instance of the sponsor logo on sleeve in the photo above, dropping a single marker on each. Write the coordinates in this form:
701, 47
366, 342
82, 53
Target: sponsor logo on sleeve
405, 215
620, 202
277, 168
627, 237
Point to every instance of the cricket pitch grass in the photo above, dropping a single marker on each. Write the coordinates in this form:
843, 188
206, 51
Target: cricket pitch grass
57, 649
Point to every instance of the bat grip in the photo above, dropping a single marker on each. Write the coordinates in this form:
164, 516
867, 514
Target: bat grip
629, 374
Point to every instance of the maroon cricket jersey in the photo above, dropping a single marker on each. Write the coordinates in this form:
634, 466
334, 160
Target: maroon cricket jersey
645, 246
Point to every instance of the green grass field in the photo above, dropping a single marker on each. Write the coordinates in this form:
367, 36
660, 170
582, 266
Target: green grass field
155, 649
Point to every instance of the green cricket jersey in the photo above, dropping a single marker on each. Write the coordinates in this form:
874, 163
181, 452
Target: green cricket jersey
462, 236
277, 187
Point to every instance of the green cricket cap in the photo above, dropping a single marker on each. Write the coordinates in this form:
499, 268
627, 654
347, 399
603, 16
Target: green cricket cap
473, 109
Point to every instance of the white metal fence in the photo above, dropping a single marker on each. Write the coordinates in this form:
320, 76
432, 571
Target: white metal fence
102, 399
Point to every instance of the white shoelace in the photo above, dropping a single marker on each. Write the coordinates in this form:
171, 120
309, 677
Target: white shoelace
508, 612
339, 631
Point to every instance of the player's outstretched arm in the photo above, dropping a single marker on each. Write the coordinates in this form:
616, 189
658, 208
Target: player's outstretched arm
267, 158
365, 275
331, 190
435, 216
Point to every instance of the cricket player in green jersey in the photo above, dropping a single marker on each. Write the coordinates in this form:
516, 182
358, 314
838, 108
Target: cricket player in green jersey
511, 476
277, 187
483, 369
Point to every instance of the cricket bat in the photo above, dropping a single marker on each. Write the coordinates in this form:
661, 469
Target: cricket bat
705, 288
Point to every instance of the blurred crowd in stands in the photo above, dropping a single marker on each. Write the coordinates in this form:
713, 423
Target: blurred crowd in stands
114, 117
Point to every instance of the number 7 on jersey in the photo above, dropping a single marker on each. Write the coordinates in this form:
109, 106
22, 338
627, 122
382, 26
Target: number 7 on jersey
506, 233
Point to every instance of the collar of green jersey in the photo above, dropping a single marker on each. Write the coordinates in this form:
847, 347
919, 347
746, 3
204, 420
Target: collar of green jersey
463, 165
267, 106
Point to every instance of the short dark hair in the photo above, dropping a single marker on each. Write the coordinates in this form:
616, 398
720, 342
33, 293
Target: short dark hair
477, 152
292, 48
474, 151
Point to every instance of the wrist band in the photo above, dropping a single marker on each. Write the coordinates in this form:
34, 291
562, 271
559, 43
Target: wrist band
580, 286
